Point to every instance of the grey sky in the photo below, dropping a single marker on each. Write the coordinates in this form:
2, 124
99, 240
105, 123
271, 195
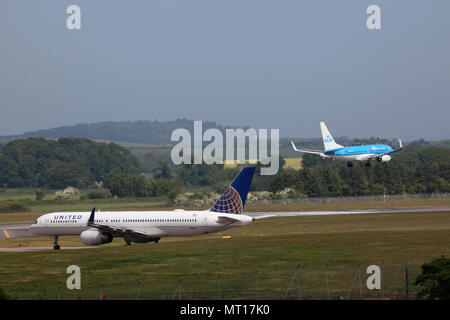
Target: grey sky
264, 63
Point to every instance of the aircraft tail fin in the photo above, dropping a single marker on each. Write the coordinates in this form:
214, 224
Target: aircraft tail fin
234, 197
328, 141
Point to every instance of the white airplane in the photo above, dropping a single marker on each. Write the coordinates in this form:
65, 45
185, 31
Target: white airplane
97, 228
332, 150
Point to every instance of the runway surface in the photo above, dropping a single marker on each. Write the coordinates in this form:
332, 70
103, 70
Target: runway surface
18, 230
25, 249
262, 215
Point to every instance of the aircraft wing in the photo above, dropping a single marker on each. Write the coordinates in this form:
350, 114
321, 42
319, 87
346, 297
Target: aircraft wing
151, 232
307, 151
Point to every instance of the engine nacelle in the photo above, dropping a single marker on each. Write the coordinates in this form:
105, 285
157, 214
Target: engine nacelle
95, 237
386, 158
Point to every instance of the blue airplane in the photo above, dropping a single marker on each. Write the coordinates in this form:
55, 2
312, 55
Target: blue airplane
333, 150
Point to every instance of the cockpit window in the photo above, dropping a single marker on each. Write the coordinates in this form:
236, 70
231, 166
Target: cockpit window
35, 222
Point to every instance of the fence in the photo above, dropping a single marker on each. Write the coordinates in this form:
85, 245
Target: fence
302, 282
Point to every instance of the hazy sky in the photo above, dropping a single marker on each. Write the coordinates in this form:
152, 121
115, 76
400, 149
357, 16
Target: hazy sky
284, 64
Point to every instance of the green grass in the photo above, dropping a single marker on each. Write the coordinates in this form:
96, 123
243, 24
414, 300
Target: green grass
273, 247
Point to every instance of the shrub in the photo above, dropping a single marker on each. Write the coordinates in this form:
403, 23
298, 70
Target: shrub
3, 295
40, 195
13, 206
99, 194
435, 279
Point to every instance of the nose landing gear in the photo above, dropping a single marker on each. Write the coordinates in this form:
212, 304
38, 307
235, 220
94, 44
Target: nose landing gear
55, 243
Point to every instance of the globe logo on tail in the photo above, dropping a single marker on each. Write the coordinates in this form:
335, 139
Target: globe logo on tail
229, 202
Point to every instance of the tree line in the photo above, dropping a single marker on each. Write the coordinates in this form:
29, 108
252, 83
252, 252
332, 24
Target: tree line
42, 163
38, 162
416, 170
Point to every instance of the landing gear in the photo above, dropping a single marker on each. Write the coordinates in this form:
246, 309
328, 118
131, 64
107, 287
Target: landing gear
127, 240
367, 164
349, 164
55, 243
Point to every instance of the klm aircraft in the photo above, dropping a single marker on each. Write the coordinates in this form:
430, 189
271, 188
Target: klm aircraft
379, 152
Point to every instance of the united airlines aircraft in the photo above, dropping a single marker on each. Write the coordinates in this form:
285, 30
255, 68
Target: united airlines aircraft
97, 228
379, 152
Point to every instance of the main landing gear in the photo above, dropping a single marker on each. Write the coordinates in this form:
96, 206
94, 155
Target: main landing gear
349, 164
367, 164
55, 243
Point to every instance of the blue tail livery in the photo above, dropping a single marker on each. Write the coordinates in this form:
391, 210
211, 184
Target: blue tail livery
234, 197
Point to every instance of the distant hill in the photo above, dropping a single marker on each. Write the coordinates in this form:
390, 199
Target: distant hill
144, 131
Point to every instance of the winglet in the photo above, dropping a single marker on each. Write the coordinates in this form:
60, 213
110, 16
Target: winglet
91, 217
293, 146
400, 143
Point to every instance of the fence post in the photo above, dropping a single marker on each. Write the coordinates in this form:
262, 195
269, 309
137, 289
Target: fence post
138, 289
328, 290
382, 280
101, 291
359, 278
406, 281
219, 287
256, 281
405, 277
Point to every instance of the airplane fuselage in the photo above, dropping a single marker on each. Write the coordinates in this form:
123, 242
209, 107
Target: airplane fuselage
155, 223
358, 152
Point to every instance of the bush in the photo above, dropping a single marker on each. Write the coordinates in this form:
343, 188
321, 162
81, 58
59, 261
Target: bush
40, 195
435, 279
129, 185
3, 295
99, 194
13, 206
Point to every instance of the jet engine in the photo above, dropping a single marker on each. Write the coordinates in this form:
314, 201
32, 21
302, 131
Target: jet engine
95, 237
386, 158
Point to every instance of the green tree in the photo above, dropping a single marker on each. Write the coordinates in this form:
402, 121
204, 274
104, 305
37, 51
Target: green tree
129, 185
163, 171
435, 279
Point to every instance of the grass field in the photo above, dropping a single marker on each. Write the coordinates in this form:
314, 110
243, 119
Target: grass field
272, 247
